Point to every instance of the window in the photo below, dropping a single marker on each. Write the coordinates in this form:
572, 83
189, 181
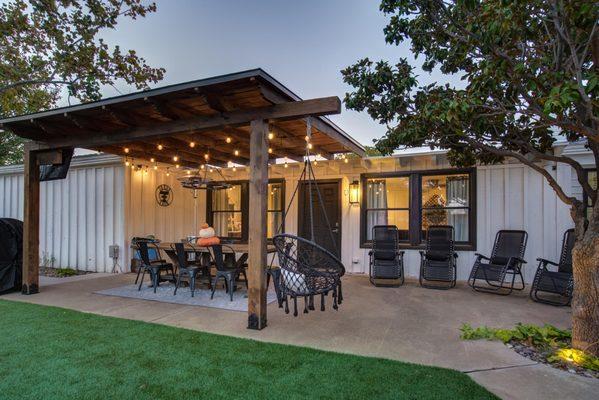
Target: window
276, 200
446, 201
227, 210
413, 201
592, 179
388, 203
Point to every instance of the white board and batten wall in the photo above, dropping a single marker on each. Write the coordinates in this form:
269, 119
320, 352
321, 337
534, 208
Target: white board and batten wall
102, 203
80, 216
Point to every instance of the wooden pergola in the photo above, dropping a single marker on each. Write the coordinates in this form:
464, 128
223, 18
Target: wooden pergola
246, 118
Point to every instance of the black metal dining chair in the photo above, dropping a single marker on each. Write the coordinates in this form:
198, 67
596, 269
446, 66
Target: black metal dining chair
226, 268
153, 267
185, 269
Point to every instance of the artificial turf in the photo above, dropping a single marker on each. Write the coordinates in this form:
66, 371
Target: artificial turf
54, 353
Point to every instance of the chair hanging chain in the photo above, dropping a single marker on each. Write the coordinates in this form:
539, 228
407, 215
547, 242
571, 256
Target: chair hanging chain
308, 175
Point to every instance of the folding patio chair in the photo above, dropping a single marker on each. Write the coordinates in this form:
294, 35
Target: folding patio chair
506, 261
438, 261
386, 260
560, 282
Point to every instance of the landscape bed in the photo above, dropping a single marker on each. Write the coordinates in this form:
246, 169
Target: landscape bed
54, 353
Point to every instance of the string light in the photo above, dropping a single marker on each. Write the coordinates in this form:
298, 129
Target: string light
155, 167
206, 156
176, 158
345, 160
271, 136
159, 147
269, 150
192, 144
310, 146
201, 166
127, 150
168, 172
146, 170
234, 169
236, 152
286, 165
228, 140
152, 159
127, 162
177, 166
307, 138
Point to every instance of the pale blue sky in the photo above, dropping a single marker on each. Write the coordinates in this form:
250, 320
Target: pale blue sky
303, 44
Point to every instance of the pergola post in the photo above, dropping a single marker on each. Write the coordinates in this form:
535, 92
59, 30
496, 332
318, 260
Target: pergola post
31, 222
257, 224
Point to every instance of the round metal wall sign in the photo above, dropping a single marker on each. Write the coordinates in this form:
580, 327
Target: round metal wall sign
164, 195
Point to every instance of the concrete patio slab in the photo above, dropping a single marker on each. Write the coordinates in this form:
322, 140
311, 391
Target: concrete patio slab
407, 323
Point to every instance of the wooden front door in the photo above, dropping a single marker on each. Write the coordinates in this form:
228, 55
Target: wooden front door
325, 236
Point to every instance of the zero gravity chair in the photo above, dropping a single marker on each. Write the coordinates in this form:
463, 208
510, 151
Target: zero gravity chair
438, 262
558, 283
386, 260
497, 273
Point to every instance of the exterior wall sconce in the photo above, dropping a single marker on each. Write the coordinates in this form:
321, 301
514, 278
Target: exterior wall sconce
354, 193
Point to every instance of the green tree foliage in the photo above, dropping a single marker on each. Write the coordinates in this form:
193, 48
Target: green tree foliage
53, 48
529, 72
530, 76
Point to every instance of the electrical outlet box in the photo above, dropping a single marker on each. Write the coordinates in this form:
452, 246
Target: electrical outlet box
113, 251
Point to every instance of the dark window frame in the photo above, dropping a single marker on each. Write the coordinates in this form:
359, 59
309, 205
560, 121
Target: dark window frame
415, 206
283, 204
245, 201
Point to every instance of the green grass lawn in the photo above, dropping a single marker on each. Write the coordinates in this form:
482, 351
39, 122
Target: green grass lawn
54, 353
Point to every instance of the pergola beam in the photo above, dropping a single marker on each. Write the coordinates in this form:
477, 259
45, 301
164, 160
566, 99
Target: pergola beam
283, 111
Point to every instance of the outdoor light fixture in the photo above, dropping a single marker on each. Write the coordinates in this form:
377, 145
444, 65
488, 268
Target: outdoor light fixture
354, 192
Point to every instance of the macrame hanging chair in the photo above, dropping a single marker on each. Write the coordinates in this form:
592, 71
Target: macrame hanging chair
306, 268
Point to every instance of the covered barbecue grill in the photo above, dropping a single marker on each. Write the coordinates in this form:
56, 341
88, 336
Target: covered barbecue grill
11, 254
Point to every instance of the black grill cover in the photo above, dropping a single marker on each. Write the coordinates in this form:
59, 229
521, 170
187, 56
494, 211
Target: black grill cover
11, 254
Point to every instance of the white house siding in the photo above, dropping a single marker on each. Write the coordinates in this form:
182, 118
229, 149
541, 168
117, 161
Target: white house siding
101, 202
146, 217
80, 216
509, 196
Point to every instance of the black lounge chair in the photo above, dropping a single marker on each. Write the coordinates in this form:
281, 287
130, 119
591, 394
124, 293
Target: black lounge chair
560, 282
506, 260
386, 260
438, 261
154, 268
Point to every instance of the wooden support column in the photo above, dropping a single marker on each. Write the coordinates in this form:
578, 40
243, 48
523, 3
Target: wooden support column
257, 224
31, 222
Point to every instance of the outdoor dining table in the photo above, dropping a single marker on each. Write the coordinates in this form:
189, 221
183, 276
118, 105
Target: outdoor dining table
229, 249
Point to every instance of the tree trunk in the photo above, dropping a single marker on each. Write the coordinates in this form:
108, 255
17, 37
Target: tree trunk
585, 304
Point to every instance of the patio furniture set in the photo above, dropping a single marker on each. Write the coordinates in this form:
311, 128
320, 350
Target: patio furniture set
184, 267
492, 274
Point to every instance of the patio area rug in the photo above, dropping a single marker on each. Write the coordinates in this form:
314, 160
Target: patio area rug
164, 293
